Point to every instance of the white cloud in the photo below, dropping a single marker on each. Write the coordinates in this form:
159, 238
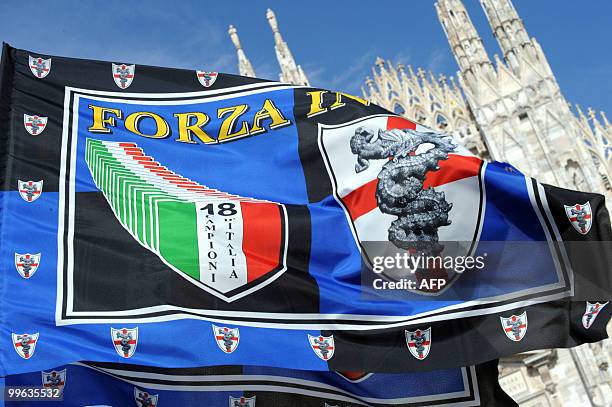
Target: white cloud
438, 60
351, 78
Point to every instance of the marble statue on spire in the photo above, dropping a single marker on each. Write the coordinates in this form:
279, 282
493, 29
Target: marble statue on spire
244, 65
290, 71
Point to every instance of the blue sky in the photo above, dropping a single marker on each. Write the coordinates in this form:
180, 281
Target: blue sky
336, 42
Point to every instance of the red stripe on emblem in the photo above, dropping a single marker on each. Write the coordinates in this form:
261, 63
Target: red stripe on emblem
400, 123
412, 345
455, 168
132, 342
261, 241
574, 219
520, 326
363, 199
143, 158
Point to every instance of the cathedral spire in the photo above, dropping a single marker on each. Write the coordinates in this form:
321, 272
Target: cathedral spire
509, 31
290, 71
245, 67
466, 45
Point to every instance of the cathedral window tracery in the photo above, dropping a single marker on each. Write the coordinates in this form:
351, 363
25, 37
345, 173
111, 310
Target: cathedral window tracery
420, 115
399, 109
441, 121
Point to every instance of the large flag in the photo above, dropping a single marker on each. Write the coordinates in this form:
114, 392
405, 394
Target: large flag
176, 219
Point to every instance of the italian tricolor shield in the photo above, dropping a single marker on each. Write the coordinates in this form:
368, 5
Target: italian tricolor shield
226, 244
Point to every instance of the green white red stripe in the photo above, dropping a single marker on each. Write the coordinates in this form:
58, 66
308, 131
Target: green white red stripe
222, 241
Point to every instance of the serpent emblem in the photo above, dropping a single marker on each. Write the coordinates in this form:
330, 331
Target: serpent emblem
399, 192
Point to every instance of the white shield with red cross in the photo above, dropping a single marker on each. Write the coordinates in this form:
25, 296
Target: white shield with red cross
241, 401
580, 216
25, 344
207, 78
40, 67
30, 190
356, 165
227, 338
123, 75
419, 342
27, 264
323, 346
144, 398
55, 379
592, 310
34, 124
515, 326
125, 341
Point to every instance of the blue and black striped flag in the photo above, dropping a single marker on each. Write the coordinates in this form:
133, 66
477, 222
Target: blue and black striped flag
173, 235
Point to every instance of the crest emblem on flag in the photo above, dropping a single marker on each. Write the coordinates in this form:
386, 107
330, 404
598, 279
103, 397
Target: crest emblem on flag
207, 78
55, 379
580, 216
145, 399
123, 75
227, 339
242, 401
40, 67
515, 326
34, 124
592, 310
405, 184
419, 342
27, 264
30, 190
125, 341
25, 344
245, 237
323, 346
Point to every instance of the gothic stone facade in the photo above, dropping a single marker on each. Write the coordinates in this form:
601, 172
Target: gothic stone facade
509, 110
